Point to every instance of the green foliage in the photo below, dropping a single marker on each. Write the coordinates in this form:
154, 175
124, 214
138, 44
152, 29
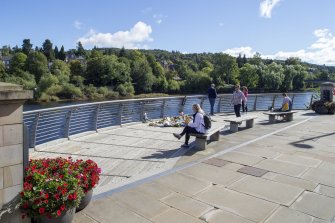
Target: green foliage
26, 46
23, 78
125, 89
48, 50
18, 62
197, 83
248, 76
37, 64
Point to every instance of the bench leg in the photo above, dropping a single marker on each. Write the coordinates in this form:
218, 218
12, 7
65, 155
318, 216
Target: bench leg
233, 127
289, 117
215, 136
272, 119
200, 143
250, 123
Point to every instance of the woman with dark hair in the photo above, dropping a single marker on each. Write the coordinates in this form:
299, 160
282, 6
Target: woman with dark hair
197, 126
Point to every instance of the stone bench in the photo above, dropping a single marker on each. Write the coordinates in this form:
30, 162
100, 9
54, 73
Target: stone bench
287, 115
201, 139
236, 121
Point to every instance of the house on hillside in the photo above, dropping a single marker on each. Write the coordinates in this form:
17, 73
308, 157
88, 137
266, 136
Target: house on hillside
6, 60
71, 56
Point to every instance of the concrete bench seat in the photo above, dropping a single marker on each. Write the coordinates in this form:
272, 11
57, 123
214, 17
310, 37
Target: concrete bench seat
235, 121
287, 115
201, 139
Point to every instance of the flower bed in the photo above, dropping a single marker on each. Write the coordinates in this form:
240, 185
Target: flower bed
175, 121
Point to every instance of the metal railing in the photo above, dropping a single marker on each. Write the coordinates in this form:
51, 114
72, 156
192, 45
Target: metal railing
46, 125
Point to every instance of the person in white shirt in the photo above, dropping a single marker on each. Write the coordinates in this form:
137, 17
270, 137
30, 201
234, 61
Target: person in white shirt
237, 99
195, 126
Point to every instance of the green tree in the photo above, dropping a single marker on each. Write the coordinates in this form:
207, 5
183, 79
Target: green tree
249, 76
17, 62
274, 78
225, 69
80, 50
2, 72
37, 65
48, 50
26, 46
61, 54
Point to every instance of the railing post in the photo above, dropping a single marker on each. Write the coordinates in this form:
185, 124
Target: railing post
202, 101
273, 101
183, 104
96, 116
219, 105
32, 143
311, 102
292, 100
163, 108
120, 113
67, 124
141, 113
255, 104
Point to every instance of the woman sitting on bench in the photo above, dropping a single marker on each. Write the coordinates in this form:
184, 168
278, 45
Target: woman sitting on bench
197, 126
286, 105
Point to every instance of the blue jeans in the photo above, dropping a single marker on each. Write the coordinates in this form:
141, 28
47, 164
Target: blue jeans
212, 102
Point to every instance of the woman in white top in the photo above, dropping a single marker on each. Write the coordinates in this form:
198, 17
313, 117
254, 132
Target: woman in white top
197, 126
237, 99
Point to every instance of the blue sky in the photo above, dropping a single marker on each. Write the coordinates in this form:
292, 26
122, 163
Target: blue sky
274, 28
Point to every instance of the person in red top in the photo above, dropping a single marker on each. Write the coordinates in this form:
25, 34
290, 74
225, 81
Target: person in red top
244, 103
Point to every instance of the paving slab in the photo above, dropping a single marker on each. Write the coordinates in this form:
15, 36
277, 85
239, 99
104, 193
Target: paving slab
175, 216
216, 162
293, 181
188, 205
103, 210
299, 160
185, 184
325, 190
316, 205
268, 190
241, 158
322, 176
219, 216
282, 167
134, 200
253, 171
259, 151
155, 190
240, 204
213, 174
284, 214
82, 218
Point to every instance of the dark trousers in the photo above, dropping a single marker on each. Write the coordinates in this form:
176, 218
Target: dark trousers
212, 102
244, 107
187, 130
237, 110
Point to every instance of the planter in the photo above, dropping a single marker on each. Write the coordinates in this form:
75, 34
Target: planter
85, 200
66, 217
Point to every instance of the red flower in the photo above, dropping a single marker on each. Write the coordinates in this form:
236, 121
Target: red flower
41, 210
59, 212
62, 208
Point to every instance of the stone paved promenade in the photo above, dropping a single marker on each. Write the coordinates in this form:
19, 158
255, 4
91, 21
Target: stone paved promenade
283, 172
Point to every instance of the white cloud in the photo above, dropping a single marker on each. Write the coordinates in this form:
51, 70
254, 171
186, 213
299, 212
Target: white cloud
77, 24
135, 38
266, 7
247, 51
320, 52
159, 18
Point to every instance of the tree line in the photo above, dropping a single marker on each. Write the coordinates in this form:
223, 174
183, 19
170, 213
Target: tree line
111, 72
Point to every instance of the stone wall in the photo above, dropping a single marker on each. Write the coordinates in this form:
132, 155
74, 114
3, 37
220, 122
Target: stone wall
12, 98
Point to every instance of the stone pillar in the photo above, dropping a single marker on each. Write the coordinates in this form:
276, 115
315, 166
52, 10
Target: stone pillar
327, 89
12, 98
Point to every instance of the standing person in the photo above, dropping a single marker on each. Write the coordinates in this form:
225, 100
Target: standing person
237, 99
211, 97
244, 103
195, 126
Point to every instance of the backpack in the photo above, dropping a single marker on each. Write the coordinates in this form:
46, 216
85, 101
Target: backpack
207, 121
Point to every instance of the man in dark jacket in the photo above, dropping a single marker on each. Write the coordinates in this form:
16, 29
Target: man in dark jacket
212, 96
